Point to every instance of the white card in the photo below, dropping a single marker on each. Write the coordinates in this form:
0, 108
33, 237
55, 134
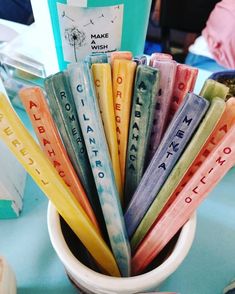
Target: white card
89, 30
80, 3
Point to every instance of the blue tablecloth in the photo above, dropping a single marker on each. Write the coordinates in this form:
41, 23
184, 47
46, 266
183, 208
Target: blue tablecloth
209, 266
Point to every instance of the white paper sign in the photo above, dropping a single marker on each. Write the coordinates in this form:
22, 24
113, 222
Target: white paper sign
80, 3
89, 30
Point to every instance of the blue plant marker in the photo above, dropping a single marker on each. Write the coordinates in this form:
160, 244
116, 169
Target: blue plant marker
64, 113
97, 58
92, 128
140, 60
182, 166
173, 143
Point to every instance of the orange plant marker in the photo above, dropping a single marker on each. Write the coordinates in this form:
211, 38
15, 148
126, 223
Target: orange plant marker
120, 55
37, 108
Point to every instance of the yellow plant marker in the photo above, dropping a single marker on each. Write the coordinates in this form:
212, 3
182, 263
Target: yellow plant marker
123, 77
103, 86
29, 154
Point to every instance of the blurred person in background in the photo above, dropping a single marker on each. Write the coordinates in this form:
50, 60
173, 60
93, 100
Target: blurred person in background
214, 50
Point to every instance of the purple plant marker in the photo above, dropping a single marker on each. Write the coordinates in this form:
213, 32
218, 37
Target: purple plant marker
178, 134
167, 70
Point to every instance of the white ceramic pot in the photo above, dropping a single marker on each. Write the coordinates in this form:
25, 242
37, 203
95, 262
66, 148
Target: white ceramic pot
90, 281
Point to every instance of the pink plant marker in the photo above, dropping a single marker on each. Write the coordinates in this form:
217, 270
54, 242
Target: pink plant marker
167, 70
221, 159
159, 56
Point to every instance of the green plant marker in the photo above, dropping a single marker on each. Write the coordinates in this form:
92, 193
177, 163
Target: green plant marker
64, 113
206, 127
226, 77
143, 105
213, 89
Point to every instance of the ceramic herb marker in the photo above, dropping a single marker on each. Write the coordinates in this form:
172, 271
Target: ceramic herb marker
167, 70
37, 108
140, 60
177, 136
224, 125
213, 89
185, 79
226, 77
103, 86
215, 166
92, 128
64, 113
206, 127
143, 105
29, 154
97, 58
127, 55
159, 56
123, 78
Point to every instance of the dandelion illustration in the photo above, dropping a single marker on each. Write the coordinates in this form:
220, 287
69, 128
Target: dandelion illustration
64, 15
90, 22
112, 21
75, 38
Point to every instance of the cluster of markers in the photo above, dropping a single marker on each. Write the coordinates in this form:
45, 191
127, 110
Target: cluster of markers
127, 151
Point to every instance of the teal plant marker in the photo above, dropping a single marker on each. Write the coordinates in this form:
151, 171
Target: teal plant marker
213, 89
97, 58
167, 70
143, 105
206, 127
92, 128
140, 60
173, 143
64, 113
230, 288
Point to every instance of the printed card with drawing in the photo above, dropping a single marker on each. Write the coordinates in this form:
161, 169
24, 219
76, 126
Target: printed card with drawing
89, 30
